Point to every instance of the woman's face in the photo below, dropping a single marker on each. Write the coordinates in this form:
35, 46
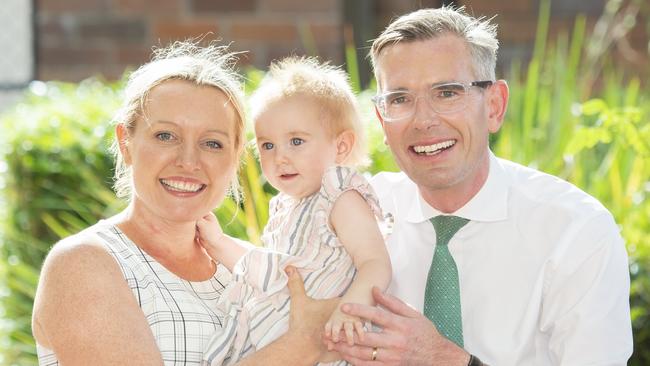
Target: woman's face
182, 150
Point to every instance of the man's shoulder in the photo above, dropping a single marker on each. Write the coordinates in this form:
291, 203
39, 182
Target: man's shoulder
386, 182
545, 189
392, 187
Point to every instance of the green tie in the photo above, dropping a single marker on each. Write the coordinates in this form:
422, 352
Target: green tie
442, 295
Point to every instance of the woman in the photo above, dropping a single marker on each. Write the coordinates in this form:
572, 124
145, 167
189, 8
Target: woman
137, 288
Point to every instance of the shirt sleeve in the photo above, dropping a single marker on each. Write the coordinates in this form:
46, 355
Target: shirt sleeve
585, 308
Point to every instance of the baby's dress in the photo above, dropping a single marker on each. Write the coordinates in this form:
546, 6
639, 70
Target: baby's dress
256, 302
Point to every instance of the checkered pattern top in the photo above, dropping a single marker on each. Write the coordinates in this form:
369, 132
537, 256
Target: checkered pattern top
182, 315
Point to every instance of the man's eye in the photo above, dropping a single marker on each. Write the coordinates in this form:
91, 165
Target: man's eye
297, 141
164, 136
398, 99
267, 146
446, 93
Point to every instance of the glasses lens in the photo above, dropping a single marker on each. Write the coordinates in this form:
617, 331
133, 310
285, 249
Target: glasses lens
395, 105
447, 98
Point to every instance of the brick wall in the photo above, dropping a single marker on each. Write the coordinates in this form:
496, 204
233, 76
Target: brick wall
79, 38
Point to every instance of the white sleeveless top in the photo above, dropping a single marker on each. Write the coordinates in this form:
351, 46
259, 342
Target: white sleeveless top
182, 315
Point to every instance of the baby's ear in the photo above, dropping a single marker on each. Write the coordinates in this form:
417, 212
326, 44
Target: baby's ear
344, 143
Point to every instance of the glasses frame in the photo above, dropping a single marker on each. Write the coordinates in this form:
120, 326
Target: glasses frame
379, 99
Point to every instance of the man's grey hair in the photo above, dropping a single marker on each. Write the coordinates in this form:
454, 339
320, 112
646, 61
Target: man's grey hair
426, 24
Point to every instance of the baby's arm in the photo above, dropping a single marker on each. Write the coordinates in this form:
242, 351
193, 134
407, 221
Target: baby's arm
219, 246
356, 227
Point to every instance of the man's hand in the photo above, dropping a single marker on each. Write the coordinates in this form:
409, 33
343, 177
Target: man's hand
407, 337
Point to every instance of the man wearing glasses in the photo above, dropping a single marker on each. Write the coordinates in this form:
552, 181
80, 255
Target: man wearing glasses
492, 261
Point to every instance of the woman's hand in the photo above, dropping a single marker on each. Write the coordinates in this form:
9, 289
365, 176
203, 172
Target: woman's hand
308, 317
303, 343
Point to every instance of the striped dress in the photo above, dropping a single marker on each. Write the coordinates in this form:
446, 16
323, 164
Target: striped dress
182, 315
298, 233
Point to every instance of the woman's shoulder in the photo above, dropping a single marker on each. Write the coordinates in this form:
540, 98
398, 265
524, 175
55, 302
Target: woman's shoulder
81, 257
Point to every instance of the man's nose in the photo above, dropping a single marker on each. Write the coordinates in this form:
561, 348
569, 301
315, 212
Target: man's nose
424, 116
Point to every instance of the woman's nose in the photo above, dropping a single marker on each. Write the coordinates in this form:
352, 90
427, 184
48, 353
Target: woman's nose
188, 157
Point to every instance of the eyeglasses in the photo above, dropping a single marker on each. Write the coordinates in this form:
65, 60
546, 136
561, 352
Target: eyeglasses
442, 98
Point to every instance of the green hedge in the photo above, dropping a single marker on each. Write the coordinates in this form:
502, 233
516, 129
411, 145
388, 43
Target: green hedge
56, 171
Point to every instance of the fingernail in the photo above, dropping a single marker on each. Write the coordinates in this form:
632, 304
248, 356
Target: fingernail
289, 271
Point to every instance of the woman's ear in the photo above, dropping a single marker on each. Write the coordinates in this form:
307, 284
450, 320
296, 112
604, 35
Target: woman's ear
122, 134
344, 143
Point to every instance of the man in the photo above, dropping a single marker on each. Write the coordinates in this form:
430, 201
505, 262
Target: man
498, 262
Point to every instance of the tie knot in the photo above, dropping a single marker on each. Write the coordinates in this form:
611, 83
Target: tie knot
446, 227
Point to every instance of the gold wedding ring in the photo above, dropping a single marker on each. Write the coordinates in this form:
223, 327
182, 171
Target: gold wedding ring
374, 353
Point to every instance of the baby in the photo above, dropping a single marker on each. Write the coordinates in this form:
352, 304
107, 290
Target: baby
324, 220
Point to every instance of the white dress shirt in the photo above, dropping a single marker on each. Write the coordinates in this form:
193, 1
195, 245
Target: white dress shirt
542, 268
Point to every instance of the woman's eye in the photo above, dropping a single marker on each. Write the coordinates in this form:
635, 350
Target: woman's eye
213, 144
297, 141
267, 146
164, 136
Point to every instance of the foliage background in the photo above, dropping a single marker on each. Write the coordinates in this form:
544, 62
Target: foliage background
572, 113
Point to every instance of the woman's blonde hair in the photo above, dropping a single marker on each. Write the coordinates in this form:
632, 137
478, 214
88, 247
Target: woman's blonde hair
210, 65
326, 85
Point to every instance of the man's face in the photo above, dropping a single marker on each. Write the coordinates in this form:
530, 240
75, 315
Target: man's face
443, 153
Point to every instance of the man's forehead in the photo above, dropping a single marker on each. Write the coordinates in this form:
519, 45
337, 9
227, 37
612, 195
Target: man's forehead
410, 65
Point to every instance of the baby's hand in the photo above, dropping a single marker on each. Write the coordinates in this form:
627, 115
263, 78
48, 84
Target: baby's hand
348, 323
209, 234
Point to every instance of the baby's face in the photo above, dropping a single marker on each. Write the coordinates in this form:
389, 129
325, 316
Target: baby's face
295, 147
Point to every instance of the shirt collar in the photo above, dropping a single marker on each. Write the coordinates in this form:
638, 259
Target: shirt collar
489, 204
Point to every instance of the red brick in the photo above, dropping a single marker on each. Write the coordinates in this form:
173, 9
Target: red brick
219, 6
391, 8
79, 72
133, 55
115, 29
326, 32
166, 31
72, 56
489, 8
50, 31
327, 6
260, 31
72, 6
516, 30
140, 7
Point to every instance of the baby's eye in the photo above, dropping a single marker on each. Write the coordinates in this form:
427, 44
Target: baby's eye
267, 145
297, 141
164, 136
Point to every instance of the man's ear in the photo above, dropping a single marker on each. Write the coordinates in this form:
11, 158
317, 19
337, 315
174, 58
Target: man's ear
381, 120
344, 143
497, 104
122, 134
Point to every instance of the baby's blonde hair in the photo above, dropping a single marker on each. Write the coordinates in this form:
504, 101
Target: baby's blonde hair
327, 85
